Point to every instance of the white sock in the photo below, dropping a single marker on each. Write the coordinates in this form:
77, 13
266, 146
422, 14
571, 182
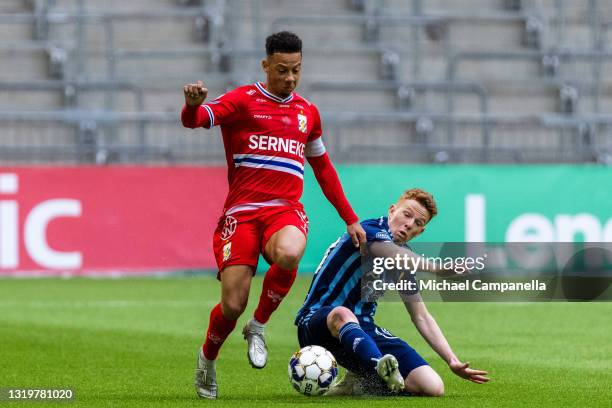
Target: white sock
257, 325
207, 361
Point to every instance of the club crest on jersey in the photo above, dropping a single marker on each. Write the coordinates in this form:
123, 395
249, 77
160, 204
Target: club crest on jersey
227, 251
302, 123
229, 227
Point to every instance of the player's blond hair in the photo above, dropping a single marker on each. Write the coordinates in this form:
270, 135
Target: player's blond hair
422, 197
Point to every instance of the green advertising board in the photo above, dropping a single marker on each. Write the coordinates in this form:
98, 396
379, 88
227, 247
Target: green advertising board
550, 203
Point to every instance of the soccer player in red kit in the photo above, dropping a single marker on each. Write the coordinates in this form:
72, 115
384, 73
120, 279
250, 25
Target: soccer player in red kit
268, 130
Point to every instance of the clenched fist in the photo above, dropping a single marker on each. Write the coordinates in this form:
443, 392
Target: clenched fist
195, 93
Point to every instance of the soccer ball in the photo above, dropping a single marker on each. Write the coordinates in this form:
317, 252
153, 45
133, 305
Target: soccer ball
312, 370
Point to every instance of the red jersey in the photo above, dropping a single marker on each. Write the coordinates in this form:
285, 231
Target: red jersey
266, 139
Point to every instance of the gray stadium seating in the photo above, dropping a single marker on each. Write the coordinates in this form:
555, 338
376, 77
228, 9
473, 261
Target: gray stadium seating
402, 81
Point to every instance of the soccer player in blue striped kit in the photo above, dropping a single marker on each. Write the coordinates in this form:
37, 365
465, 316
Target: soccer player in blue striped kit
337, 317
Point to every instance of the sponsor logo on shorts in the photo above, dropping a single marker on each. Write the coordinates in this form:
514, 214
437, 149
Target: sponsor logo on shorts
304, 219
229, 227
227, 251
356, 342
214, 339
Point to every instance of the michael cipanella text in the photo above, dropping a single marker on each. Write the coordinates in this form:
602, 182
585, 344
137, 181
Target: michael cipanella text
459, 265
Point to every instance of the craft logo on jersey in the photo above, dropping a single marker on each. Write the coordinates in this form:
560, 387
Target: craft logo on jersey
227, 251
229, 227
302, 123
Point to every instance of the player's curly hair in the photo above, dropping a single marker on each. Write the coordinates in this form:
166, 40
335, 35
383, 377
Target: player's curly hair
284, 42
422, 197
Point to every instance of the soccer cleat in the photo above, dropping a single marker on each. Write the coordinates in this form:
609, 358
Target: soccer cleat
206, 377
351, 385
388, 369
257, 351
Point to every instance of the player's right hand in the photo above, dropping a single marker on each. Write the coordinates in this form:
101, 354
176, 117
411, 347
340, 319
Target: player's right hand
195, 94
357, 234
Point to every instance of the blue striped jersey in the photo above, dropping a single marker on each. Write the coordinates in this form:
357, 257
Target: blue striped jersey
337, 280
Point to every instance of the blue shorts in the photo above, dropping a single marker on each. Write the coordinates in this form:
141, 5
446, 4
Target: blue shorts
315, 332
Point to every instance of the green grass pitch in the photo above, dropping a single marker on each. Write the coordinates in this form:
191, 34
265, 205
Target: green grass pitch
132, 343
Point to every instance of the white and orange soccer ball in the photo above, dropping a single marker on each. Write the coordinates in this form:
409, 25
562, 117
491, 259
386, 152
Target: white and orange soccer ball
312, 370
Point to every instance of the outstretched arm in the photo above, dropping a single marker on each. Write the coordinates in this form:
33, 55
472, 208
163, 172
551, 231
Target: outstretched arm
327, 178
429, 329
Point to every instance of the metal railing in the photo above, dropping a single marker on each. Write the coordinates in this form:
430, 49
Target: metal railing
550, 63
107, 137
103, 137
71, 90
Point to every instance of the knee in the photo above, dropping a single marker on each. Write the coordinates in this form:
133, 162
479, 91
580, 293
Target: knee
338, 317
433, 388
424, 381
233, 308
288, 256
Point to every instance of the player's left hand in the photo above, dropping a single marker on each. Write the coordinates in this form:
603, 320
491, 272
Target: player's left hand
463, 370
357, 234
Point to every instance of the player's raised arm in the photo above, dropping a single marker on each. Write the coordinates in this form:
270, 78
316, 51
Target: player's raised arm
193, 114
429, 329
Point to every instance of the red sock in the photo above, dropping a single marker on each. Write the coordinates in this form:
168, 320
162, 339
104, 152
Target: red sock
276, 285
219, 328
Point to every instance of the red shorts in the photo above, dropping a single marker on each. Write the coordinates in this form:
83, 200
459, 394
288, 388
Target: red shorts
241, 237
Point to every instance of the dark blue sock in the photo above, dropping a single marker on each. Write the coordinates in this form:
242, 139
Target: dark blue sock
355, 340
